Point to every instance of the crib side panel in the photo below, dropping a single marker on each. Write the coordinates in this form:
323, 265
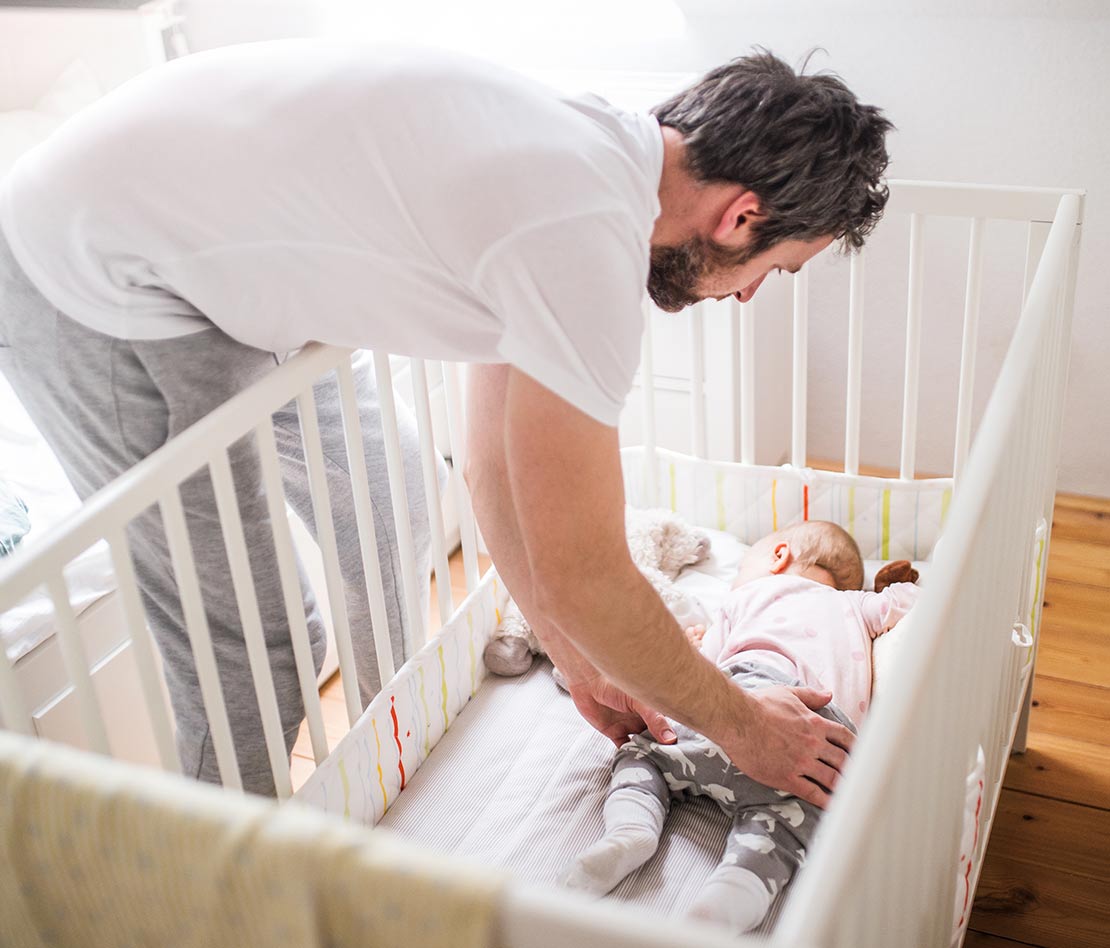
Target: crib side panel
375, 761
234, 463
889, 519
896, 826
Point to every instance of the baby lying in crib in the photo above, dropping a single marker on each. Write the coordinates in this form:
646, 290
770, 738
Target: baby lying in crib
795, 615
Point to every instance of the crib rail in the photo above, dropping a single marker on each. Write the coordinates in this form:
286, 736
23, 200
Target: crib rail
919, 204
203, 447
905, 793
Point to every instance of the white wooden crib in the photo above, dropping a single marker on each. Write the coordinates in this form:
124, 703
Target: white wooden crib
889, 861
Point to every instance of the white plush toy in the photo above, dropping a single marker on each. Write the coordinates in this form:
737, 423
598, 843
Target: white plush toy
661, 544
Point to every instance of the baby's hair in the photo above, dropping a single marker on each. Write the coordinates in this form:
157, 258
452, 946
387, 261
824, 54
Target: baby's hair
829, 546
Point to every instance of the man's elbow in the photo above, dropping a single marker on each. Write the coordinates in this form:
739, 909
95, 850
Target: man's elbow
483, 474
470, 474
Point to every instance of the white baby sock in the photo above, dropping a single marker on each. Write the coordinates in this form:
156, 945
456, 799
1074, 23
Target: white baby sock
733, 896
633, 824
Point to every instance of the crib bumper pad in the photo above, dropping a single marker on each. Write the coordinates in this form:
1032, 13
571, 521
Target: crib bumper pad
98, 853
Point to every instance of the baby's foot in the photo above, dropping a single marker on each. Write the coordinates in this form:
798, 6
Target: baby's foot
734, 897
601, 868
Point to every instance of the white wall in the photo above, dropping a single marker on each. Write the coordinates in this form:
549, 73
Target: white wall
989, 91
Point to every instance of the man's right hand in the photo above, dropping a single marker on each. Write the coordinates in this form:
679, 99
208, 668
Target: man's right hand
782, 743
616, 714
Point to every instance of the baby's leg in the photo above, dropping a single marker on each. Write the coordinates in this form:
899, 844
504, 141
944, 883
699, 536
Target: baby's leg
765, 847
634, 813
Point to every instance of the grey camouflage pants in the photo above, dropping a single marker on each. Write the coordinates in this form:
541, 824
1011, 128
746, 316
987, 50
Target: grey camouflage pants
770, 828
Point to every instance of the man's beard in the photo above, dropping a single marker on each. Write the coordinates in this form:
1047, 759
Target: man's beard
676, 271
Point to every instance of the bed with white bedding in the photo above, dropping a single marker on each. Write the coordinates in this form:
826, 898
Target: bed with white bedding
30, 469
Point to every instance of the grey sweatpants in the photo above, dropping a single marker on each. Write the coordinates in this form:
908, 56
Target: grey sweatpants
104, 404
770, 828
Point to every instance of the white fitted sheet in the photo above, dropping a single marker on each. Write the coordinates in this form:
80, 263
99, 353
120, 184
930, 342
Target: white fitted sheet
520, 778
519, 781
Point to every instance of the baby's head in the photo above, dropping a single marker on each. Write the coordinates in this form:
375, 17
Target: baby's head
815, 549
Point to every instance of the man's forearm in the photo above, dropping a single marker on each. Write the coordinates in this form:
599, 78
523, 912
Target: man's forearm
502, 538
492, 500
641, 649
625, 630
588, 603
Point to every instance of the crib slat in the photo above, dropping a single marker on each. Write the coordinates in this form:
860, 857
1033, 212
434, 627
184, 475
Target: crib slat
364, 519
431, 488
406, 547
150, 676
76, 664
329, 550
697, 380
801, 355
647, 386
736, 393
747, 381
855, 365
196, 624
250, 619
967, 348
456, 439
14, 715
913, 347
1035, 242
291, 589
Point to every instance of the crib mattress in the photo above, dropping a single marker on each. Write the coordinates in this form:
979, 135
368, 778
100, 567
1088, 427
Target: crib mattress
519, 779
518, 782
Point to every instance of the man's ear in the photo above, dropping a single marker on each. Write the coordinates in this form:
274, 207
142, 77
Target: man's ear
735, 223
781, 557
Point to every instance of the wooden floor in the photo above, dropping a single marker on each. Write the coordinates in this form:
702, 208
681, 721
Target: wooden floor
1046, 877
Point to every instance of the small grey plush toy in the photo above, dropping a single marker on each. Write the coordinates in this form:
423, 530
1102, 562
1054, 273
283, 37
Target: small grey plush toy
661, 544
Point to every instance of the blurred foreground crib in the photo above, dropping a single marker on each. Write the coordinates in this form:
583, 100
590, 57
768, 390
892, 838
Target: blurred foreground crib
893, 864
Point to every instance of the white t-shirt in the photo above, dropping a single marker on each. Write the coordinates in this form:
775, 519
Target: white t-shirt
414, 201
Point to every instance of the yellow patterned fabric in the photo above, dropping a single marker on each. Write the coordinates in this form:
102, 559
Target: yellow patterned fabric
98, 853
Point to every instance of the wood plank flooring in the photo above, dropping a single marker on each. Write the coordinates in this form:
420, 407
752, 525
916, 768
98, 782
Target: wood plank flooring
1046, 876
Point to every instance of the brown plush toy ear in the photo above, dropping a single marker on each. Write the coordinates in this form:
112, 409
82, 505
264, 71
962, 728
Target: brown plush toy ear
900, 571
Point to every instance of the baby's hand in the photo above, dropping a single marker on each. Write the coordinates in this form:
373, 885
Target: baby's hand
694, 635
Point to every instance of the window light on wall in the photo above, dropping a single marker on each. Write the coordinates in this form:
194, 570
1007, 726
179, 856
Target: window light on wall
495, 28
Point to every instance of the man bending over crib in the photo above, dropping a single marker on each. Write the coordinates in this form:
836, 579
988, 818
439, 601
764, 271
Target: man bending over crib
422, 203
795, 616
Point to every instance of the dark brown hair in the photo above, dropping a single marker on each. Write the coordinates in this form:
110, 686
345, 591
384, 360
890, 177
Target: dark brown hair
811, 151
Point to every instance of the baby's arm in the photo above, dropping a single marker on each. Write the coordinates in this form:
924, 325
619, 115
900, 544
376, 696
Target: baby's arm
884, 610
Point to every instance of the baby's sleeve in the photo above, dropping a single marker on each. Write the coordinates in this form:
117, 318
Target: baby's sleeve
713, 643
883, 611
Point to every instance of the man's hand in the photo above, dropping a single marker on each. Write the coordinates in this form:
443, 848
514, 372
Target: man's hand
616, 714
784, 745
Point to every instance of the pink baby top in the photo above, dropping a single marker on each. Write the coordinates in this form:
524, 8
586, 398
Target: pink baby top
810, 631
